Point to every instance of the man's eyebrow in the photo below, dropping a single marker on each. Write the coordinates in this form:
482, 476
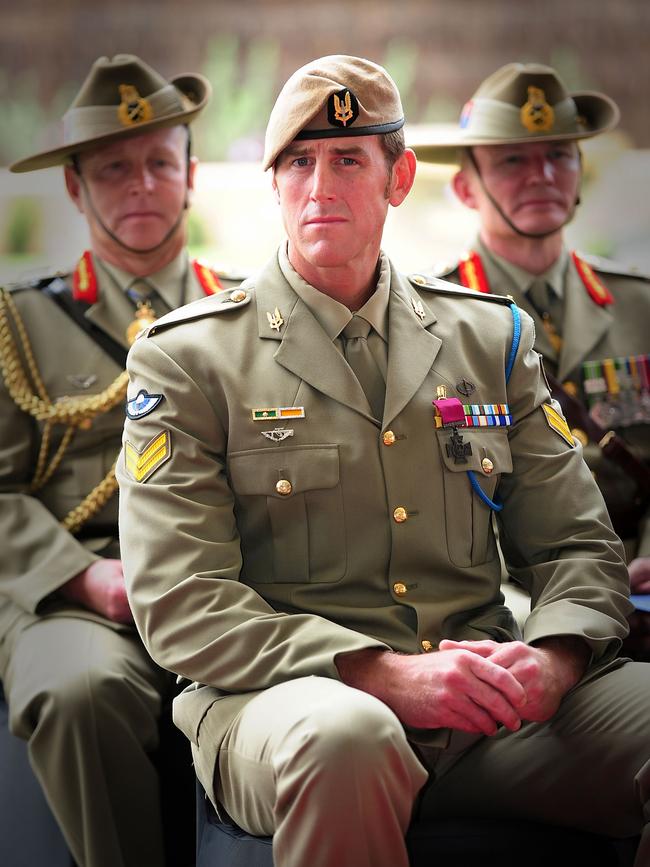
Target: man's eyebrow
299, 149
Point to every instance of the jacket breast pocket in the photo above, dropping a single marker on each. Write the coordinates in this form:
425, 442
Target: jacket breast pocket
470, 539
289, 509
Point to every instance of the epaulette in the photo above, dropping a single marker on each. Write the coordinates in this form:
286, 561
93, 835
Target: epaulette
607, 266
53, 283
220, 302
443, 287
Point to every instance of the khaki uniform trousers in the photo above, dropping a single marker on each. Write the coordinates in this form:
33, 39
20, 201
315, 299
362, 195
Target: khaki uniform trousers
328, 770
86, 698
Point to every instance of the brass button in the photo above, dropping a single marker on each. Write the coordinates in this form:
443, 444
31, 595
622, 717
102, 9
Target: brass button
570, 387
427, 647
284, 487
389, 438
400, 514
578, 434
487, 465
419, 279
399, 589
238, 295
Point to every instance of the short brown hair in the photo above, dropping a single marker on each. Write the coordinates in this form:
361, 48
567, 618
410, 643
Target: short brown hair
393, 146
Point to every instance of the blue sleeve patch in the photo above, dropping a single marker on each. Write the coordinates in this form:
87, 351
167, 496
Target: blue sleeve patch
142, 404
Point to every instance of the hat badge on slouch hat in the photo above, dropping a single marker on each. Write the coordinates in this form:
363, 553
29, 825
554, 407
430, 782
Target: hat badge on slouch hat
122, 96
517, 104
536, 114
133, 108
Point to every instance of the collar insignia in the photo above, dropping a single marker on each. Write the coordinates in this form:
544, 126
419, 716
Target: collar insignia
418, 307
275, 320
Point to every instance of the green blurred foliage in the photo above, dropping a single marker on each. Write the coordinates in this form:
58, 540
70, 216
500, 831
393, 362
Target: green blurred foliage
23, 225
244, 89
24, 117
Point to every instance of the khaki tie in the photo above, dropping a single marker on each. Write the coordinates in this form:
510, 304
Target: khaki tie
358, 356
548, 307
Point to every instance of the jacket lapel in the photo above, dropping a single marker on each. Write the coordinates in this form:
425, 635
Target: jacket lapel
412, 349
305, 349
586, 322
112, 312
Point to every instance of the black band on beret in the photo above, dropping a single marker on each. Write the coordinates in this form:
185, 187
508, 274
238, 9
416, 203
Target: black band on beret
340, 132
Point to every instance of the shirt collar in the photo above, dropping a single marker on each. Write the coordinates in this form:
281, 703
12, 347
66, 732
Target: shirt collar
522, 279
331, 314
169, 282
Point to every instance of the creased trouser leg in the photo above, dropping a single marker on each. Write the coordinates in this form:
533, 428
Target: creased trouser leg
86, 699
324, 768
587, 768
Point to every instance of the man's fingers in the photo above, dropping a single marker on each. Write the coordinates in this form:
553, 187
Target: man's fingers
499, 679
481, 648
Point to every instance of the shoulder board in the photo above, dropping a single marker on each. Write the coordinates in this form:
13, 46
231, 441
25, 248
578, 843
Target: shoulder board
51, 284
607, 266
220, 302
442, 287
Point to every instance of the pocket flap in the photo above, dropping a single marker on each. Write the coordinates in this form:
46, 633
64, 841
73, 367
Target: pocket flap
305, 468
487, 452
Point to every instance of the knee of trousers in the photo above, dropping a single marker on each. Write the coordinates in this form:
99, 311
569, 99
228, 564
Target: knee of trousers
360, 737
79, 700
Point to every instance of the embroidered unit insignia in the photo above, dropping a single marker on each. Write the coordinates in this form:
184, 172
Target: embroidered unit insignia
342, 108
133, 108
142, 404
275, 320
557, 422
277, 434
268, 412
142, 464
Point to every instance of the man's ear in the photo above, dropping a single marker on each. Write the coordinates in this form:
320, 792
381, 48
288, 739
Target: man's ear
191, 171
402, 177
73, 186
461, 184
274, 185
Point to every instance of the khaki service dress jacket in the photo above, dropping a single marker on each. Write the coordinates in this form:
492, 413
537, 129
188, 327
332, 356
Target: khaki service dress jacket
269, 522
38, 554
590, 333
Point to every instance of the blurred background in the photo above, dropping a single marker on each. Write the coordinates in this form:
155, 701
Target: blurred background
437, 51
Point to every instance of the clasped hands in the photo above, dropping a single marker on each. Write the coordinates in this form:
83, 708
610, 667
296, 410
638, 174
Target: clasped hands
471, 686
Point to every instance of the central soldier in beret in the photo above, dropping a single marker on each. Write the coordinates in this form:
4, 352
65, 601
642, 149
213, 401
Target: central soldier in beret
306, 518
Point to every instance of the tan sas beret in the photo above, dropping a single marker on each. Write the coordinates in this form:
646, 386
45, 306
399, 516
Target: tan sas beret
522, 102
121, 97
333, 96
